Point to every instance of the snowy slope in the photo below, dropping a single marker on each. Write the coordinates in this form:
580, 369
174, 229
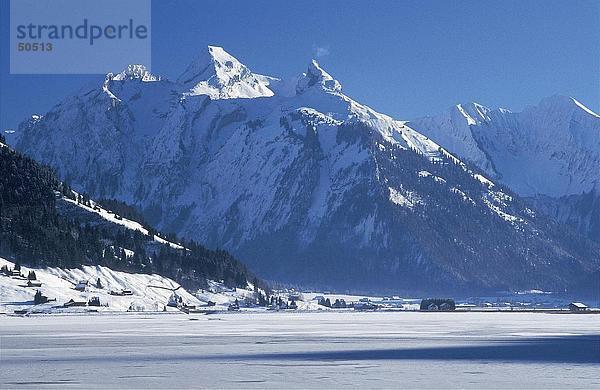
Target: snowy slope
150, 292
296, 177
552, 149
95, 209
549, 152
219, 75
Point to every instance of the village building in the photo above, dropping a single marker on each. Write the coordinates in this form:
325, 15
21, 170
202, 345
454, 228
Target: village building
438, 304
577, 307
72, 303
82, 285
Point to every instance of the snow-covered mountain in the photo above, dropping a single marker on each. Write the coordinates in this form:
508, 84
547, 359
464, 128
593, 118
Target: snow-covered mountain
549, 153
302, 182
219, 75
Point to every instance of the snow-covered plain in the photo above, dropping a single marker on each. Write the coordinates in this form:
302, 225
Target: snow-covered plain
301, 350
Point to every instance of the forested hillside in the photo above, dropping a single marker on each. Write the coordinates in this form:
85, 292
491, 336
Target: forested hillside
34, 231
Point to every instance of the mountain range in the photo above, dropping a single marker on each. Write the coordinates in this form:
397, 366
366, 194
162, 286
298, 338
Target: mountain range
549, 153
310, 187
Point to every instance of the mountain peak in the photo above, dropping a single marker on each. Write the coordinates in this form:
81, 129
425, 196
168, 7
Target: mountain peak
135, 72
473, 112
561, 102
315, 75
220, 75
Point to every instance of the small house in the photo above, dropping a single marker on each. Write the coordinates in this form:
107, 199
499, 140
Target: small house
577, 307
72, 303
82, 285
362, 306
295, 296
438, 304
34, 283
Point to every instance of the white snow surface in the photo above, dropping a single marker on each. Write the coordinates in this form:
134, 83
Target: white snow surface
219, 75
301, 350
551, 149
584, 108
151, 293
402, 198
136, 72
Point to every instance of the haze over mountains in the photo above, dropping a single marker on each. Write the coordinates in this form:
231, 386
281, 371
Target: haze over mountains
308, 186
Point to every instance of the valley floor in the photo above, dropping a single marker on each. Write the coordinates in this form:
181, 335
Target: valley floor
301, 350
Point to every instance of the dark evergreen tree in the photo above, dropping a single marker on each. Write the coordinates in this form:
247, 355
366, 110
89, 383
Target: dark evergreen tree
34, 230
39, 298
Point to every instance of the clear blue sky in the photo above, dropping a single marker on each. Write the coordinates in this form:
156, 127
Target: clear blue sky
403, 58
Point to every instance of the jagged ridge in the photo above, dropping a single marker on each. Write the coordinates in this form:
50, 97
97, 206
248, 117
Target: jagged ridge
307, 185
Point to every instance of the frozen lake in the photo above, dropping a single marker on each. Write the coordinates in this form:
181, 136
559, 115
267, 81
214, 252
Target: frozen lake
302, 350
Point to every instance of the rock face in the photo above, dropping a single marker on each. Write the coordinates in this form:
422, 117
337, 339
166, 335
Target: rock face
303, 183
549, 153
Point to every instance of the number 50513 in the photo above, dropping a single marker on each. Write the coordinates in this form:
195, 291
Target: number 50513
36, 46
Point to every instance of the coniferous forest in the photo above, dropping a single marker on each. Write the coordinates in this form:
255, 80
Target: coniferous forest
35, 232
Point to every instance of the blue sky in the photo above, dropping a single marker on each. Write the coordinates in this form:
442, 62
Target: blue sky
403, 58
